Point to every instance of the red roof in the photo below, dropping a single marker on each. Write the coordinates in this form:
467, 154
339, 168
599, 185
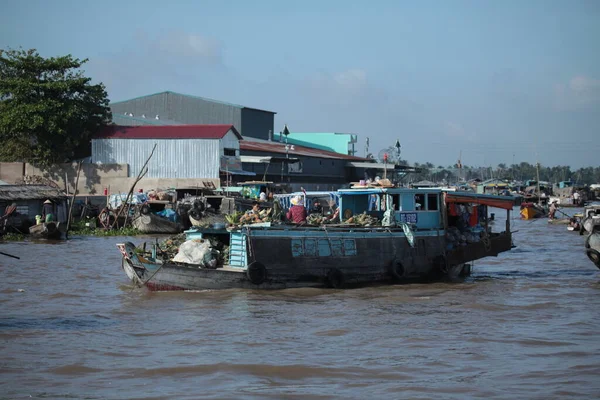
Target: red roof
276, 147
167, 132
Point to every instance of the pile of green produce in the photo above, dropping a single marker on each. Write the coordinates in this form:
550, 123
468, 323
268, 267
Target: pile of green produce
318, 219
234, 219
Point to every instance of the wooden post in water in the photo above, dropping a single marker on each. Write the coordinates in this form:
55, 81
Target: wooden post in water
73, 200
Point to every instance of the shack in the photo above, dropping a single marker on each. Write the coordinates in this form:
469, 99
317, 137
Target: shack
28, 201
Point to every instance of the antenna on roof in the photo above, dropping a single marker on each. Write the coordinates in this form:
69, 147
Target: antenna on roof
131, 114
143, 115
156, 117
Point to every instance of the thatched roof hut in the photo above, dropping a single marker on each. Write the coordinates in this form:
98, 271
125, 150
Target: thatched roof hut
30, 198
10, 193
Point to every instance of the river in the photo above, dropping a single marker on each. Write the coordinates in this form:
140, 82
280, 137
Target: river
524, 325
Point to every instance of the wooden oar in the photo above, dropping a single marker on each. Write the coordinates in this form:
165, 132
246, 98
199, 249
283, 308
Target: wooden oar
563, 213
10, 255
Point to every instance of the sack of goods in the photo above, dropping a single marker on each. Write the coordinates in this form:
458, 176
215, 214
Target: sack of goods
198, 252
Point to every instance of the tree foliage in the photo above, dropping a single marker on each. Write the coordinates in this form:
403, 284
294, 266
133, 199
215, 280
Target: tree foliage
517, 172
48, 109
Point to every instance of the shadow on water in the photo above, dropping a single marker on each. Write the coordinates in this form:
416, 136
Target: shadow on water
48, 323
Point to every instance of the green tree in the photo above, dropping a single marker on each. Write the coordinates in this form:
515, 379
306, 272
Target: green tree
48, 109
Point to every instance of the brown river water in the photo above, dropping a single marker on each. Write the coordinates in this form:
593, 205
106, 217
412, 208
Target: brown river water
524, 325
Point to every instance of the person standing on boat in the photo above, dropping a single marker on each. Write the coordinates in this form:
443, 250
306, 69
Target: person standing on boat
48, 211
297, 212
553, 208
576, 198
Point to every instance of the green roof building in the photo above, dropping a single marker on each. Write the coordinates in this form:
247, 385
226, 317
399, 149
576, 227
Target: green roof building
342, 143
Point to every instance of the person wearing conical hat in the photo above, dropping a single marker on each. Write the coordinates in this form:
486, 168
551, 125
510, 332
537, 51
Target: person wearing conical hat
297, 212
48, 211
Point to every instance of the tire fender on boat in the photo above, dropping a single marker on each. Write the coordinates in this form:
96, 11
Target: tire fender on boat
441, 263
256, 273
335, 278
145, 209
594, 256
397, 269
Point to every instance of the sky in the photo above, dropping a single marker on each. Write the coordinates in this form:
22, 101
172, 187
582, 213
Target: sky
487, 81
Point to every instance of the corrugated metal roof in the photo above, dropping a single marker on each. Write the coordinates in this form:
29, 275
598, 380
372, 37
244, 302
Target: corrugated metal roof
251, 144
126, 120
167, 132
30, 192
193, 97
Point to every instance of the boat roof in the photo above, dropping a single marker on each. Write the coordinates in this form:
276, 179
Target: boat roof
505, 202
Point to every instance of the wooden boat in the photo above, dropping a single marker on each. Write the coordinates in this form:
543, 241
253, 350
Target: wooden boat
152, 223
48, 230
559, 221
592, 247
590, 219
411, 244
531, 211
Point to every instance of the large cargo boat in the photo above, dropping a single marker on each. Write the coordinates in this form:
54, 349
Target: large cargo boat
419, 234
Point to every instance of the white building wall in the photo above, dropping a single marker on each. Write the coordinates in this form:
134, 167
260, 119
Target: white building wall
173, 158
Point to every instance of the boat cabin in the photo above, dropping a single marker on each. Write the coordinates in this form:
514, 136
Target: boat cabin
253, 189
418, 207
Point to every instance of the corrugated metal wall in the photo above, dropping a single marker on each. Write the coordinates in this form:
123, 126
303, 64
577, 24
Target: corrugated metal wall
173, 158
316, 168
193, 110
229, 141
181, 108
156, 104
257, 123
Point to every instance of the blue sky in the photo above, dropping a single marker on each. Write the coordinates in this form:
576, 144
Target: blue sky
496, 80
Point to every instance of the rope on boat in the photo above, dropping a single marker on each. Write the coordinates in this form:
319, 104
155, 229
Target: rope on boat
155, 272
328, 240
388, 230
487, 243
250, 250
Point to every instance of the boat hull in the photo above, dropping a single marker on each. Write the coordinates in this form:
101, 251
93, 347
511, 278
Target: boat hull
150, 223
48, 230
531, 213
318, 259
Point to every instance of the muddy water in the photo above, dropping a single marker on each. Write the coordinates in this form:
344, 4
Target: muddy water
525, 325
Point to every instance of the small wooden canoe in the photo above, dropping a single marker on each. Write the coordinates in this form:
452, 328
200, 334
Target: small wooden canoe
47, 230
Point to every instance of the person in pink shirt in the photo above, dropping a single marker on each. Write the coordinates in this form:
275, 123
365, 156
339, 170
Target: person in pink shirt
297, 212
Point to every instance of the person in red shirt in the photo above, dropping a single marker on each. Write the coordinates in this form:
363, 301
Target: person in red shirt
297, 212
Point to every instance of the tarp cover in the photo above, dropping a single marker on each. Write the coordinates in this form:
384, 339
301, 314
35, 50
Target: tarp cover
505, 202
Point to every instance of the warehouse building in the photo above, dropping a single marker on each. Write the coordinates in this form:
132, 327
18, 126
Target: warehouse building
170, 108
182, 151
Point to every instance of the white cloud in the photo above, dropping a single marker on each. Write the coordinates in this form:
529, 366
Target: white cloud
455, 130
152, 63
578, 93
189, 45
344, 88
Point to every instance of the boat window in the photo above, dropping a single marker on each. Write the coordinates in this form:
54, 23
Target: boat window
432, 202
229, 152
396, 202
419, 201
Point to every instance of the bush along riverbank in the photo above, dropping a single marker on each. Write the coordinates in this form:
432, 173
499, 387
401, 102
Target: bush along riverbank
80, 229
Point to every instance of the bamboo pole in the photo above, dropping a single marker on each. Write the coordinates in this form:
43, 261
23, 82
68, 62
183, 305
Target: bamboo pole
73, 199
140, 175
